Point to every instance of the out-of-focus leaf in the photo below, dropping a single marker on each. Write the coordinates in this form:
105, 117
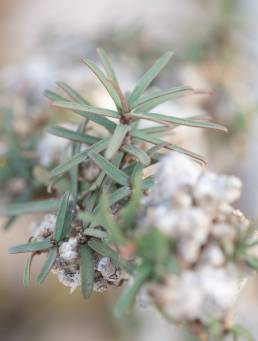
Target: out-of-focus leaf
151, 101
78, 158
178, 121
109, 222
107, 65
116, 140
104, 250
148, 77
127, 298
241, 331
72, 135
83, 108
76, 146
31, 207
31, 247
54, 96
26, 271
61, 215
151, 139
112, 171
107, 84
72, 93
97, 233
139, 153
128, 213
48, 265
87, 270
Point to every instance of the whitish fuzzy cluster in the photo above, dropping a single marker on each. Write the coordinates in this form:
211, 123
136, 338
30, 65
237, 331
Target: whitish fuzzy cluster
67, 263
193, 208
67, 268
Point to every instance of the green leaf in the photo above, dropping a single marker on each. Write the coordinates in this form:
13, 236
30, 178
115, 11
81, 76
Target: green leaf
87, 270
97, 233
80, 157
156, 130
116, 140
72, 135
83, 108
109, 222
68, 220
107, 84
31, 207
74, 172
153, 150
54, 96
103, 121
104, 250
151, 139
31, 247
128, 213
139, 153
107, 65
70, 163
48, 265
241, 331
178, 121
151, 101
26, 271
72, 93
112, 171
61, 215
149, 76
127, 298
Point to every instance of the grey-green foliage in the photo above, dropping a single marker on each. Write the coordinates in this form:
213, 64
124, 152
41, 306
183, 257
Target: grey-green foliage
122, 154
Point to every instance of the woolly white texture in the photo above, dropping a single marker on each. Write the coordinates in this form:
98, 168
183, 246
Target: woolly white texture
68, 250
192, 206
46, 227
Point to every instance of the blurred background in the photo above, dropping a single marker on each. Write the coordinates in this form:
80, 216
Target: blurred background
216, 48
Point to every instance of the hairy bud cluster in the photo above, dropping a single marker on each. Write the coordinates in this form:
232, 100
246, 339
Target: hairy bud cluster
67, 263
193, 208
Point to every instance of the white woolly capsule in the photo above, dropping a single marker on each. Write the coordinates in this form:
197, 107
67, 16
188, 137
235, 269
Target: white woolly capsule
68, 250
45, 228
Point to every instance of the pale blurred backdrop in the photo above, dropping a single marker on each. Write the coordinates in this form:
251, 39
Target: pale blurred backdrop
216, 47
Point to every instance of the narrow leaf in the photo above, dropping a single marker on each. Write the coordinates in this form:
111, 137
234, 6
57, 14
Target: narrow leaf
116, 140
128, 213
87, 270
151, 101
81, 108
54, 96
31, 247
72, 93
31, 207
178, 121
61, 215
109, 222
151, 139
127, 298
104, 250
26, 271
108, 85
139, 153
107, 65
72, 135
68, 220
112, 171
74, 172
78, 158
48, 265
148, 77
